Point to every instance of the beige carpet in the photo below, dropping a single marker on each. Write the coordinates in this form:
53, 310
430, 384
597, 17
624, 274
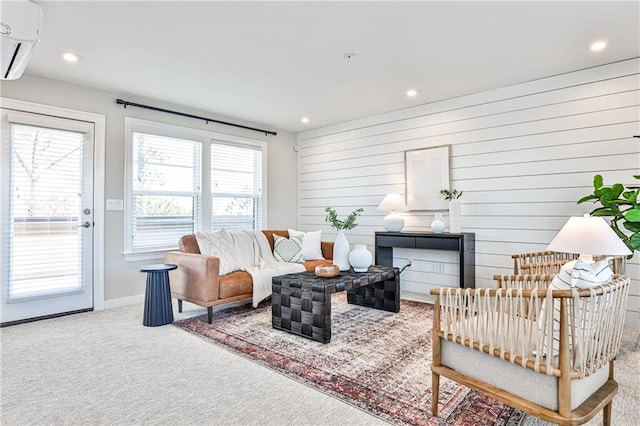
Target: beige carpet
378, 361
105, 368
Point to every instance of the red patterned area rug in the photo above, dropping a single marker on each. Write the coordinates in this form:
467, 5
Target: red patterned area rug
377, 361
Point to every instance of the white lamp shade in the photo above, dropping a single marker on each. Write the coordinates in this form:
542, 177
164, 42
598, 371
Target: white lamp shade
588, 235
393, 202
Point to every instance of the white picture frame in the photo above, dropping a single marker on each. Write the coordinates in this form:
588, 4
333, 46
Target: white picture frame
426, 174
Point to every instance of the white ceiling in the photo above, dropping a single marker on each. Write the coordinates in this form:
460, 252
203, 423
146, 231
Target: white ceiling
274, 62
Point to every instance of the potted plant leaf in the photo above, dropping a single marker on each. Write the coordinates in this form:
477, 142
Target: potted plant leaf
619, 204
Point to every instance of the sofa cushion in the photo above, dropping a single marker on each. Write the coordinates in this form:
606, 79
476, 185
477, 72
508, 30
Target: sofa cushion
189, 244
311, 243
269, 234
310, 265
540, 388
287, 249
235, 284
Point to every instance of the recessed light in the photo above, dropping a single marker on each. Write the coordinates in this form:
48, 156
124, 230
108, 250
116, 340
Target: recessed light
70, 56
598, 46
412, 92
305, 120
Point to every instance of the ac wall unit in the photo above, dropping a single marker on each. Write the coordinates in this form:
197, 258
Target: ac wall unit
20, 30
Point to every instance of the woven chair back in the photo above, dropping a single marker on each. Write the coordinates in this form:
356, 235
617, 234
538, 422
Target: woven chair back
551, 258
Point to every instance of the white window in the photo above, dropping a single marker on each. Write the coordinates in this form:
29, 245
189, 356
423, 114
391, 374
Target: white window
165, 190
181, 181
236, 187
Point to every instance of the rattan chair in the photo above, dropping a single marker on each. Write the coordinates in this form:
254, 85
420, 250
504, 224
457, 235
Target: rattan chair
484, 339
524, 281
544, 268
539, 257
552, 258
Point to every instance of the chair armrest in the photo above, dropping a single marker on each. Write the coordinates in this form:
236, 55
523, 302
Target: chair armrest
197, 277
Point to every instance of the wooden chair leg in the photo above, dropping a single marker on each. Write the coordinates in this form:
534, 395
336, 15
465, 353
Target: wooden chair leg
435, 393
180, 305
210, 314
606, 414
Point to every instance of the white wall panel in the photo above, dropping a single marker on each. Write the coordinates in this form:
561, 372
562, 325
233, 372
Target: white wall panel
522, 154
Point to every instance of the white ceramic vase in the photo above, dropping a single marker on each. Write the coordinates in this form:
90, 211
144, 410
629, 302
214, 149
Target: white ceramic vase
454, 216
341, 251
360, 258
437, 225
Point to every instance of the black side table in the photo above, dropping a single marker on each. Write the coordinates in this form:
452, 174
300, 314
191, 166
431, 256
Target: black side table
157, 297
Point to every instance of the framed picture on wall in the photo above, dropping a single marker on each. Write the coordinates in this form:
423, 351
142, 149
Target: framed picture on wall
426, 173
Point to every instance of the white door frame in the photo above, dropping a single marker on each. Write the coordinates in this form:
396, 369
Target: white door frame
99, 122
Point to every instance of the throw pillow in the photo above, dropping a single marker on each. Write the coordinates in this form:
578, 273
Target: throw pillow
582, 275
287, 249
311, 243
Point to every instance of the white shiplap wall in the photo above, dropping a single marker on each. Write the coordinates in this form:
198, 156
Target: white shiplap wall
522, 155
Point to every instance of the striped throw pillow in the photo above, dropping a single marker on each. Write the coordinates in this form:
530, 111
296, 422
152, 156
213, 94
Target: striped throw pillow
575, 274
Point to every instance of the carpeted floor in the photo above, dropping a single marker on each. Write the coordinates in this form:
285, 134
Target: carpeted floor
106, 368
377, 361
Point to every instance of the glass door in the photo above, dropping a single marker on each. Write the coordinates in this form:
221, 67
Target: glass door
46, 215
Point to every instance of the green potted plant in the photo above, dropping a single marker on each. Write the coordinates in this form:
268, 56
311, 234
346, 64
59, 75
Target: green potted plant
451, 195
348, 223
621, 206
341, 246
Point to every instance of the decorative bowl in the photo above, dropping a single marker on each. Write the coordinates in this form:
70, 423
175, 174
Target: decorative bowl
327, 271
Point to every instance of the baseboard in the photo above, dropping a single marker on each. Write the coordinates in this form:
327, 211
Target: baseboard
124, 301
416, 297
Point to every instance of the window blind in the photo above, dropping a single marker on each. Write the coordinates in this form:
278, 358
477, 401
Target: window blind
165, 190
45, 203
236, 186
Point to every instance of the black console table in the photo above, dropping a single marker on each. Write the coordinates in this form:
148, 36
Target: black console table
464, 243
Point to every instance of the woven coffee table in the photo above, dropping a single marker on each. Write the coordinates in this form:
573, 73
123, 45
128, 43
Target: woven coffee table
301, 302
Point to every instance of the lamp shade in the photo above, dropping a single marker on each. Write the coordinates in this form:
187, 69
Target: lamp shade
393, 202
588, 235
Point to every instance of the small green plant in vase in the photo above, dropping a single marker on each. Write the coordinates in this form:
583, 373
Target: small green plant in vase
341, 246
454, 208
451, 195
337, 224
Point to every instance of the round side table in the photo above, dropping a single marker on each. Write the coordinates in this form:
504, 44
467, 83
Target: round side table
157, 297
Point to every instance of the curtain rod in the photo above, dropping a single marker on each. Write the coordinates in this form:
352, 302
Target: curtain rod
207, 120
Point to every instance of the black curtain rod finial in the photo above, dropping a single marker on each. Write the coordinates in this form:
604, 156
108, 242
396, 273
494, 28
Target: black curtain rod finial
636, 136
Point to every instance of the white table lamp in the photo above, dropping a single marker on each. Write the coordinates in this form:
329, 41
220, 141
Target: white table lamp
587, 236
393, 202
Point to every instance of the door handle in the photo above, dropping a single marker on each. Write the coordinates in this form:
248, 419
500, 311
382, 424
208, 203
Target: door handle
84, 225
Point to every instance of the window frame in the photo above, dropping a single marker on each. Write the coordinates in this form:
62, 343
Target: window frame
206, 139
